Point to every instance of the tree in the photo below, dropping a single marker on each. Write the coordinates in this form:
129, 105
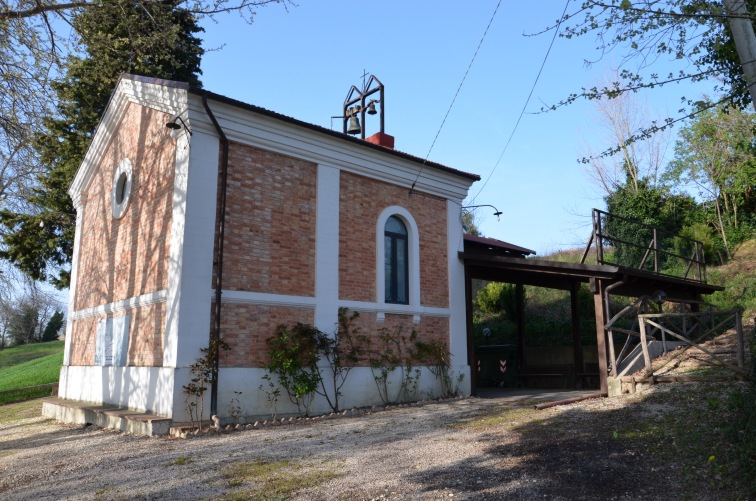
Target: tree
26, 65
652, 206
634, 161
716, 153
154, 39
22, 323
695, 33
469, 223
53, 327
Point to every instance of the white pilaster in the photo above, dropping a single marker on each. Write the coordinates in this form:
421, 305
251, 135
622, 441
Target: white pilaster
327, 249
457, 299
79, 204
188, 302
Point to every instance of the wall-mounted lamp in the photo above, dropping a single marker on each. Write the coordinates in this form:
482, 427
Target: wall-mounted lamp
175, 126
497, 213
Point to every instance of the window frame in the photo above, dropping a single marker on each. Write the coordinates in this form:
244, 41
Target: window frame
393, 281
120, 194
413, 259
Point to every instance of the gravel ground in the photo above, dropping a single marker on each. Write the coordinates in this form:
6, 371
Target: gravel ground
446, 450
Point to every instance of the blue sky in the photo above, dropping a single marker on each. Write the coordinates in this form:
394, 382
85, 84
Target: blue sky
302, 61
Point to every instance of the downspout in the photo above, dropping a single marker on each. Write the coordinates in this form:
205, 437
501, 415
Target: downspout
215, 333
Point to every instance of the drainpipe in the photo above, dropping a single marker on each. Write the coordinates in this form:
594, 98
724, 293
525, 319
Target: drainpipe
215, 333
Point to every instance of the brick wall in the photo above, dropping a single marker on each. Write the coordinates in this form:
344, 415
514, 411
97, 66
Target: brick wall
83, 341
429, 329
269, 243
246, 327
127, 257
361, 202
146, 327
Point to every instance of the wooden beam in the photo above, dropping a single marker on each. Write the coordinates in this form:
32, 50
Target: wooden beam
598, 305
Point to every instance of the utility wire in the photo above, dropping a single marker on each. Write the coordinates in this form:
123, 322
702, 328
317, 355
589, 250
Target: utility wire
455, 96
527, 101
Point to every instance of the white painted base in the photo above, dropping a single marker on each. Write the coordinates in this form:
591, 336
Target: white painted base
138, 388
360, 390
160, 390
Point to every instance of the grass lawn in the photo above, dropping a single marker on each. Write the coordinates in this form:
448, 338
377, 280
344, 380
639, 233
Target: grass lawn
35, 372
20, 354
29, 365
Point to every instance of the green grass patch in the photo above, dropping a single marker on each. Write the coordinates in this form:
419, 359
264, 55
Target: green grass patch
42, 370
180, 461
20, 410
504, 418
277, 479
21, 354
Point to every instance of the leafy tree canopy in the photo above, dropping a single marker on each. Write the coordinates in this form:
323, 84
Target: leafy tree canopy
716, 154
695, 33
53, 327
156, 39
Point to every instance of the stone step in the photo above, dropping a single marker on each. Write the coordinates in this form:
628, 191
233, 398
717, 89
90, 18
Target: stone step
106, 416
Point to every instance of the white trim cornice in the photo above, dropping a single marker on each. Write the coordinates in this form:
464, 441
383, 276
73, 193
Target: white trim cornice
123, 305
265, 299
167, 99
264, 132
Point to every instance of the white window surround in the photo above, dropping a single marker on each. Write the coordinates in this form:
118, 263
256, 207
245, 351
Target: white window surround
121, 192
413, 244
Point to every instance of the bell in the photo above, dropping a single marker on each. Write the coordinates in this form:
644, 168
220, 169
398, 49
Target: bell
371, 109
354, 126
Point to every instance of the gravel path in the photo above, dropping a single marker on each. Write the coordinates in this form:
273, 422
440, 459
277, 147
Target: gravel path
444, 450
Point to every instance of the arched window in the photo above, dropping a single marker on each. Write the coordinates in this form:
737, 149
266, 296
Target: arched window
396, 259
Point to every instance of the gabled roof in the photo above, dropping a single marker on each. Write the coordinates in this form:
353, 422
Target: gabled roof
293, 121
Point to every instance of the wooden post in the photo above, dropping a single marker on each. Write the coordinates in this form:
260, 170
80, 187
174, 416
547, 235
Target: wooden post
656, 252
598, 305
471, 358
520, 298
577, 348
739, 334
644, 346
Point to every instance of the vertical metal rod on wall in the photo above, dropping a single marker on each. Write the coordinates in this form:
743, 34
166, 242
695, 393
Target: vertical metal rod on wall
215, 333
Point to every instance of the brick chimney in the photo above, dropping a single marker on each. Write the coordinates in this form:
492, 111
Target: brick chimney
381, 139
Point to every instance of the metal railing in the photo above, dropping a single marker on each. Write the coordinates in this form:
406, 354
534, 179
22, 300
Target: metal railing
631, 244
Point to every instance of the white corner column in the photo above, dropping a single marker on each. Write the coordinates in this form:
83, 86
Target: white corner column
327, 249
457, 300
188, 302
79, 203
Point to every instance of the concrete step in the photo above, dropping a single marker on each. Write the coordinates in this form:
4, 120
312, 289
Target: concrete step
105, 416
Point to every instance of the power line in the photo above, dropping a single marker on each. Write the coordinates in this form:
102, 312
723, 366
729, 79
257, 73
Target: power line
527, 101
455, 96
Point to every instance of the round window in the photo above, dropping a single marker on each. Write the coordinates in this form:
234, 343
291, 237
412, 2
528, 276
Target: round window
122, 182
